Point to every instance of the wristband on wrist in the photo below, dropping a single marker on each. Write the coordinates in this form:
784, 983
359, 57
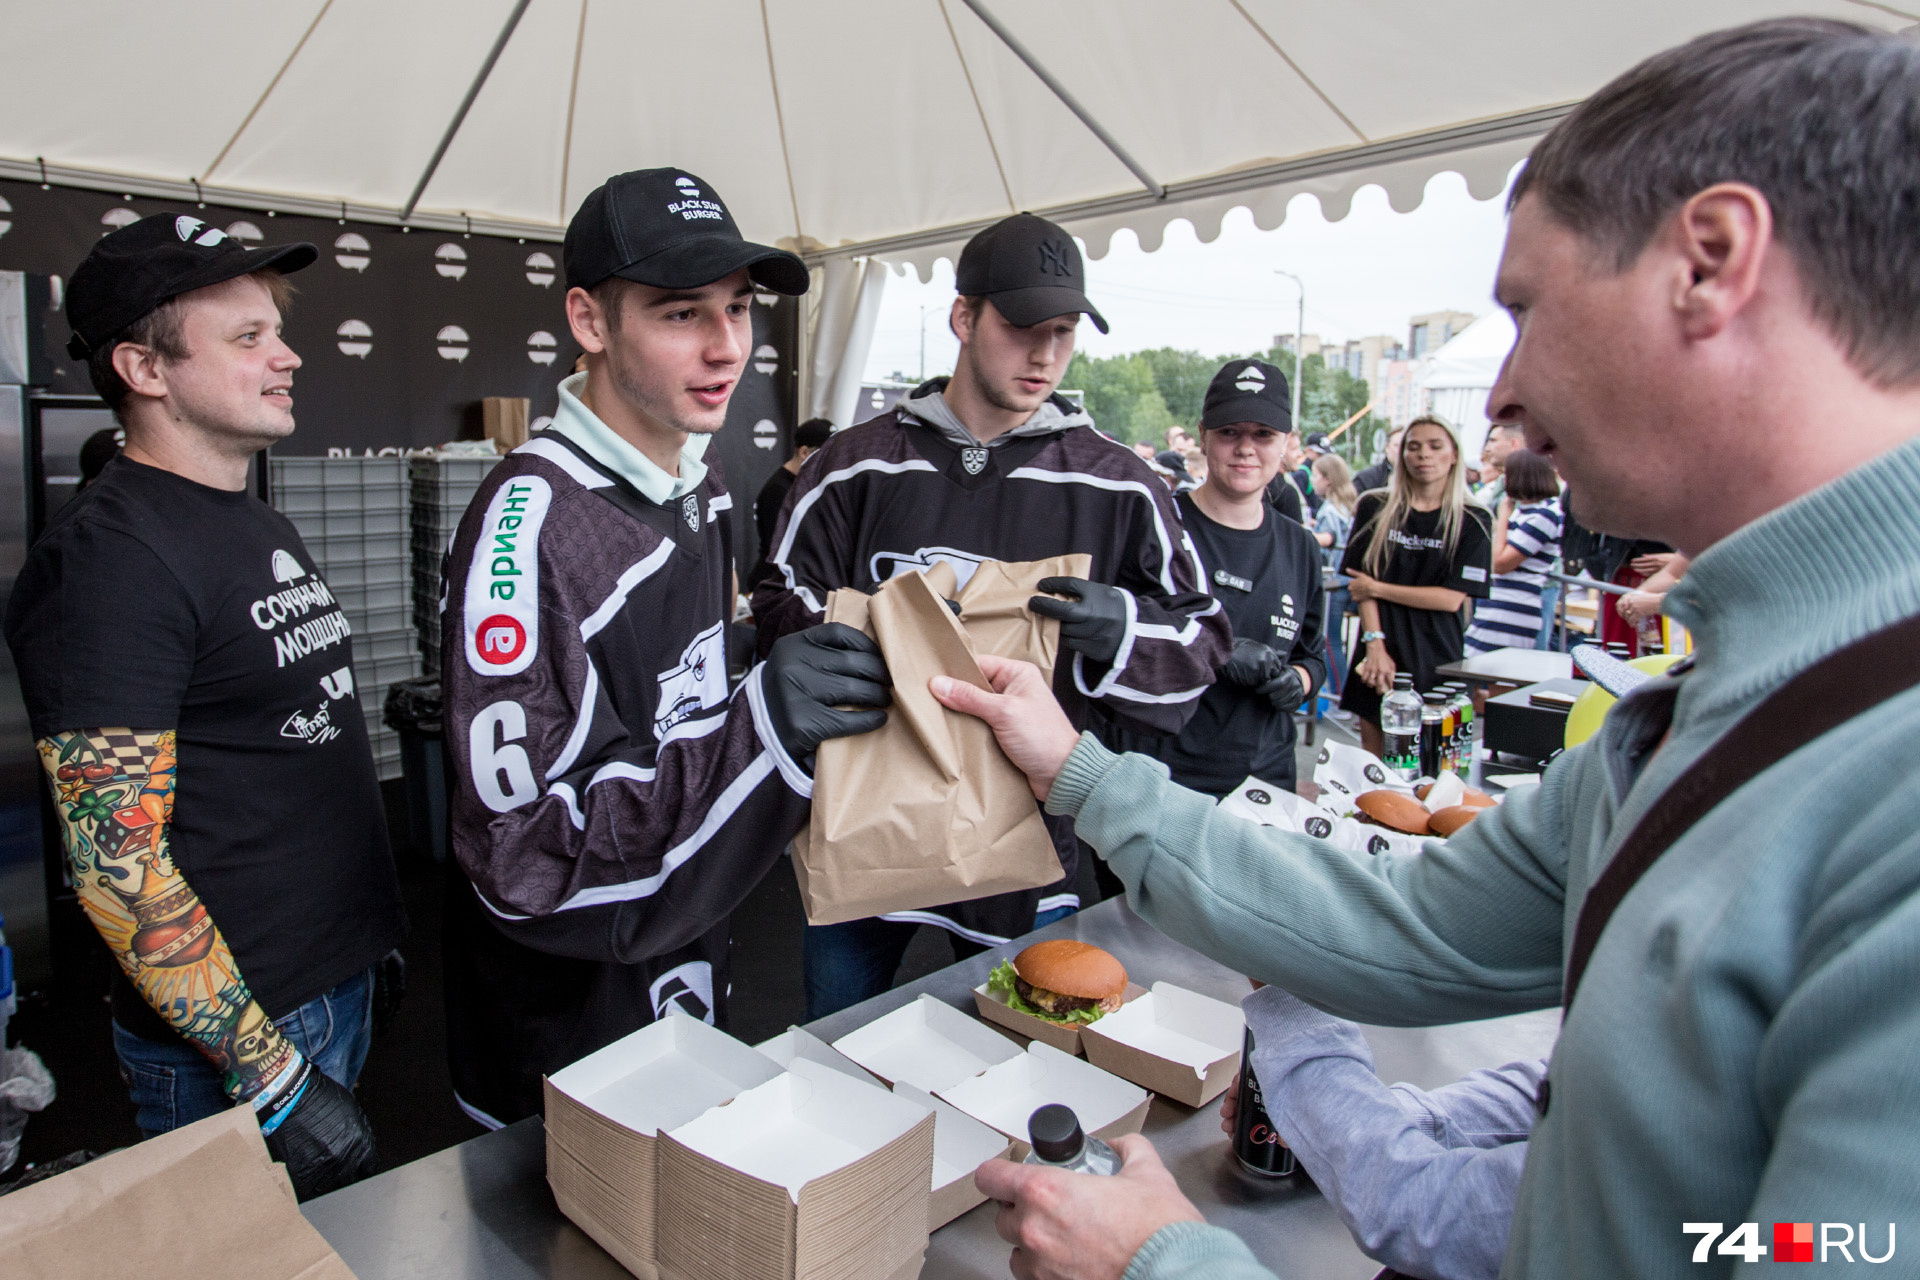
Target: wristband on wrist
1368, 637
275, 1102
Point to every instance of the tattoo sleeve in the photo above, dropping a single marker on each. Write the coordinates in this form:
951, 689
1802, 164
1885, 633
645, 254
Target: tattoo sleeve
113, 790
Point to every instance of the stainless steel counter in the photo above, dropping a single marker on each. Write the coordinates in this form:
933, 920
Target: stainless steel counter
482, 1209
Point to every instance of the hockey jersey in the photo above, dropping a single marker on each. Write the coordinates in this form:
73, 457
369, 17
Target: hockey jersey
909, 488
613, 800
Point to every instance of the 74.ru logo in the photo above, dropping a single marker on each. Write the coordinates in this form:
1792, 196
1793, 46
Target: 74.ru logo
1792, 1241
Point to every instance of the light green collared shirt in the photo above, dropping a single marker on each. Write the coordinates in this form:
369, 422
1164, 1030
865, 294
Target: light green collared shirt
582, 426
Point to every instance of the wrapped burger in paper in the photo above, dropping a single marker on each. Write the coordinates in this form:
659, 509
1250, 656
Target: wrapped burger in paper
927, 809
1341, 773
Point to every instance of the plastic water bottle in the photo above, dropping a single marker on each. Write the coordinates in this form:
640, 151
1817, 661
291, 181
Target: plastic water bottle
1400, 723
1058, 1143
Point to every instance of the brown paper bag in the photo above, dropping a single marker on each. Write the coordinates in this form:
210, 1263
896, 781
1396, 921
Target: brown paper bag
928, 809
205, 1202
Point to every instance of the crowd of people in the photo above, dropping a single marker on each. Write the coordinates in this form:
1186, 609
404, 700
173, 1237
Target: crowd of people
1736, 1052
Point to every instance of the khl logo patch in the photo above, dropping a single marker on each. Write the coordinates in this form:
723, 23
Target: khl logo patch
690, 511
974, 460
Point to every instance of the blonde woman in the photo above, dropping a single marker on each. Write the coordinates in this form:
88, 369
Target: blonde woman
1332, 525
1419, 549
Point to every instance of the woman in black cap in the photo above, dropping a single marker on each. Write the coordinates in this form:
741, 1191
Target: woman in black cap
1264, 569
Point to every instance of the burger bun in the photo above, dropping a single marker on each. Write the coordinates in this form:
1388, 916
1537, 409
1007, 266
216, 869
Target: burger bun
1444, 822
1393, 810
1073, 969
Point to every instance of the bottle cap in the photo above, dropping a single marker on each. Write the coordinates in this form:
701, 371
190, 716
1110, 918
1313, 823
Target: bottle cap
1055, 1133
1402, 680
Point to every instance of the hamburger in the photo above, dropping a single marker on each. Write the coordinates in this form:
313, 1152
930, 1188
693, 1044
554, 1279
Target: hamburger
1392, 810
1062, 981
1445, 822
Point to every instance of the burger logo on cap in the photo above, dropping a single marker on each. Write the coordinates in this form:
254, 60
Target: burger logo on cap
353, 335
766, 359
451, 261
1251, 379
453, 342
687, 187
185, 227
542, 347
692, 206
540, 269
353, 250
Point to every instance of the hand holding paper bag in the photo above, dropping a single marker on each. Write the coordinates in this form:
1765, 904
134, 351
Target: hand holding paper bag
927, 809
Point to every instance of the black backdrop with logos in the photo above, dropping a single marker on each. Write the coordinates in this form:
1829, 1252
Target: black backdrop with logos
401, 333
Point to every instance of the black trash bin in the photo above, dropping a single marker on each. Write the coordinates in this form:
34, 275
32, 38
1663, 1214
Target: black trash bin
413, 711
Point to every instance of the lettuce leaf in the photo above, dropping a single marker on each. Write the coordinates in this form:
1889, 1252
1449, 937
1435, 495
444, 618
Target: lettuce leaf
1002, 980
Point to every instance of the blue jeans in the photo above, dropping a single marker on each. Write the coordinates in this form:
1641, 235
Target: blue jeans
1338, 602
1549, 601
855, 960
174, 1085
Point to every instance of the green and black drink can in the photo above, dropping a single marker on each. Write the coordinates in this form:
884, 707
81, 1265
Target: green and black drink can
1256, 1144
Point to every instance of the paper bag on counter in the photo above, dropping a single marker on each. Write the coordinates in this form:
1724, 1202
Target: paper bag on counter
204, 1202
927, 809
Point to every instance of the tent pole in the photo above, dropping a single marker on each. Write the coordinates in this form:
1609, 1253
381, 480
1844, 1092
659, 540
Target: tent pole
1072, 104
466, 104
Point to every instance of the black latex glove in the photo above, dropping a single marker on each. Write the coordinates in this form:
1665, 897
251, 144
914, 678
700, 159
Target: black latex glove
1093, 623
389, 989
1285, 692
1252, 663
320, 1133
810, 672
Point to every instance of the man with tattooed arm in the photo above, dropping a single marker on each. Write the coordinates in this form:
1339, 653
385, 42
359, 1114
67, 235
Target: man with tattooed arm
189, 678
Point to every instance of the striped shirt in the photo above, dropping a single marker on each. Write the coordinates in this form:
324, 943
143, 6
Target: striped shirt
1510, 616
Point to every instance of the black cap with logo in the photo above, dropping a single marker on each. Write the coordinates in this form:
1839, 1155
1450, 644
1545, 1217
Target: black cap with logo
135, 269
1248, 391
1319, 442
667, 228
1030, 268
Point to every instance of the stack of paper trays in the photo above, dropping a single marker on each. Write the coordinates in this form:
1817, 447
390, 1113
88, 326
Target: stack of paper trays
1004, 1096
811, 1176
1178, 1043
605, 1114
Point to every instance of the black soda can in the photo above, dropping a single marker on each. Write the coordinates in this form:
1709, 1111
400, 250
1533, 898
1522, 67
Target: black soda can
1256, 1144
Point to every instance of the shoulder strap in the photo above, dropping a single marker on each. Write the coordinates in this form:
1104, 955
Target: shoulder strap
1821, 698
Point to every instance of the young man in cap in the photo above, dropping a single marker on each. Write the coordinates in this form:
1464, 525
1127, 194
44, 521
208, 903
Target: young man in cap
991, 465
615, 800
190, 681
1264, 569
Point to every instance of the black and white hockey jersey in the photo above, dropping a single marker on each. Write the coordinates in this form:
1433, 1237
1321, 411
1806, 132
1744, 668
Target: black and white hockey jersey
613, 801
901, 492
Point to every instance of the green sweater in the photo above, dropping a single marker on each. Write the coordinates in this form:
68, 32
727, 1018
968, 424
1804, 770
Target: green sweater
1746, 1046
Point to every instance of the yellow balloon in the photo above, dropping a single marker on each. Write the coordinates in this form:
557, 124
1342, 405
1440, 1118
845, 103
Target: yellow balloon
1591, 707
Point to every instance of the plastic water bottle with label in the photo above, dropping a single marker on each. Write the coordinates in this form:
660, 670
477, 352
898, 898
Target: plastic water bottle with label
1400, 723
1058, 1143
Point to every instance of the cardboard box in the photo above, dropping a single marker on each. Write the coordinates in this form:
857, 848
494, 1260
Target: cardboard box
797, 1044
504, 420
1063, 1036
810, 1176
960, 1145
204, 1202
1005, 1095
1178, 1043
604, 1115
927, 1044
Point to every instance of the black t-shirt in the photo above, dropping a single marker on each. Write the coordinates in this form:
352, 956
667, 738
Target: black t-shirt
1374, 477
154, 603
1267, 581
766, 507
1284, 498
1420, 640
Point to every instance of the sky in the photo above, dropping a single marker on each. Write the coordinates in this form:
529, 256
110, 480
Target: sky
1365, 274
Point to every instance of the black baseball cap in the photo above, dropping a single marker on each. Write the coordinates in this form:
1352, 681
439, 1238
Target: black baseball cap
135, 269
1248, 391
667, 228
1030, 268
1320, 441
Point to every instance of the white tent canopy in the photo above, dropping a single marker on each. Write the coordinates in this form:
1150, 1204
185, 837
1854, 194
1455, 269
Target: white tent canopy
857, 128
1455, 379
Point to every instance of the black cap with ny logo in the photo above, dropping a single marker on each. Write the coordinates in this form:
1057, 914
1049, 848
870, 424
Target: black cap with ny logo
1030, 269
